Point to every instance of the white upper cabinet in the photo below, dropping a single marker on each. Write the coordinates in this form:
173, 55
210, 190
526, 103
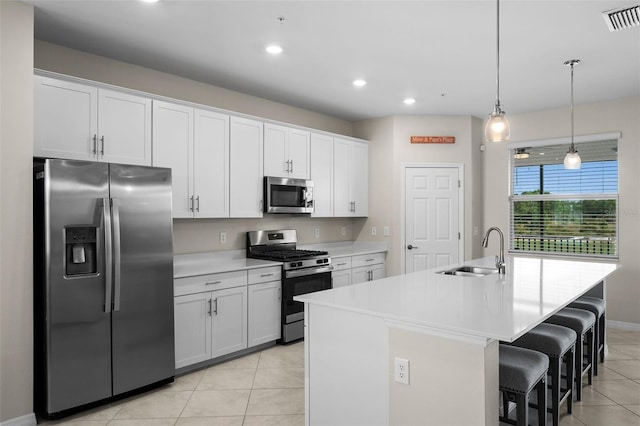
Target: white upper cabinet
286, 152
246, 168
80, 122
173, 147
350, 178
211, 164
322, 174
194, 143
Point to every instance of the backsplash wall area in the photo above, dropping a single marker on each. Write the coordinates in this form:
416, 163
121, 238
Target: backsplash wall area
203, 235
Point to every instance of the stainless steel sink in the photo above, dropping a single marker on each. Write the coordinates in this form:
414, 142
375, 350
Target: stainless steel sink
469, 271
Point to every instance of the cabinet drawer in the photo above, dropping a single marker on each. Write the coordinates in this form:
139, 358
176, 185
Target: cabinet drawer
367, 259
341, 263
200, 283
263, 275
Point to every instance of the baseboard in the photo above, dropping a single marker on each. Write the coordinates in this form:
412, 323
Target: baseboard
26, 420
628, 326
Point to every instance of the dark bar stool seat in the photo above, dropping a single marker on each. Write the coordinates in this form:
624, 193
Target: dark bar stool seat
583, 323
596, 306
522, 370
558, 343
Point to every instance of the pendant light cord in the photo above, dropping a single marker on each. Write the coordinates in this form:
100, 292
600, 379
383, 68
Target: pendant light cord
497, 55
572, 146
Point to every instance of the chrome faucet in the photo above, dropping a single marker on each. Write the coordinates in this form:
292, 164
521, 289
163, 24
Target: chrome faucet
500, 264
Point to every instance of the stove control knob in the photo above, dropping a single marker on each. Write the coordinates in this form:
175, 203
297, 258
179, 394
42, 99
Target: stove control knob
319, 261
293, 264
299, 263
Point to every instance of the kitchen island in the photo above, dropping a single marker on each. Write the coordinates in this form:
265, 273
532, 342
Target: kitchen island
447, 327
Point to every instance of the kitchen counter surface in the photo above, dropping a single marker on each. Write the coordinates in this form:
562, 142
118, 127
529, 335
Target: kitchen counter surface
490, 307
188, 265
347, 248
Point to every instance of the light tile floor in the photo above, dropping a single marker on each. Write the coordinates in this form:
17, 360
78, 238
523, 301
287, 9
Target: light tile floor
267, 388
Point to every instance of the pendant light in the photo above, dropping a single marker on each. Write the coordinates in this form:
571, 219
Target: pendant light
572, 159
497, 128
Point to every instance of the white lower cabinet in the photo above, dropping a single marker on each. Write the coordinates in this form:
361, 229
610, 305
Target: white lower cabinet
218, 314
358, 269
228, 321
264, 312
209, 325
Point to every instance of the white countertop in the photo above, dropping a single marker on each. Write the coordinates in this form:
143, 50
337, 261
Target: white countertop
491, 307
187, 265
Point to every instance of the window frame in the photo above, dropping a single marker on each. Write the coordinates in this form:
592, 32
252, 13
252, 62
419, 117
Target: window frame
511, 148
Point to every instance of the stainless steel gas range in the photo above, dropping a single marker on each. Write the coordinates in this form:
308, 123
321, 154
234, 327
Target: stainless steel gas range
303, 271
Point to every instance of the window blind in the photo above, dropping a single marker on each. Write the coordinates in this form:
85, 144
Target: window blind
567, 212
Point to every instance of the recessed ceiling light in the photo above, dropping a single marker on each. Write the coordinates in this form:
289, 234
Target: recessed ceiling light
409, 101
359, 82
149, 1
274, 49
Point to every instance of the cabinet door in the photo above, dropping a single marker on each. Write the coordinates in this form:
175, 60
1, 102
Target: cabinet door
360, 178
211, 164
173, 148
341, 278
65, 120
322, 175
193, 328
299, 153
378, 272
341, 178
124, 128
264, 312
229, 321
246, 176
360, 275
275, 151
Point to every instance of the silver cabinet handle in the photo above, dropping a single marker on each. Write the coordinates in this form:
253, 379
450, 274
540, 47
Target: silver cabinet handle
410, 247
95, 144
288, 163
291, 166
102, 145
198, 204
369, 260
108, 253
209, 311
341, 264
212, 282
266, 275
116, 253
191, 203
215, 309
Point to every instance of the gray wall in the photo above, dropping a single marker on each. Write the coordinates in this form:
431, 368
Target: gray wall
16, 152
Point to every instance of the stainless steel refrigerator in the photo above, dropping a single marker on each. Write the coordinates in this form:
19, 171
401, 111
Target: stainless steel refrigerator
103, 276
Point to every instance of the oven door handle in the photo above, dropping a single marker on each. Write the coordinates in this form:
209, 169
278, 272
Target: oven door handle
307, 271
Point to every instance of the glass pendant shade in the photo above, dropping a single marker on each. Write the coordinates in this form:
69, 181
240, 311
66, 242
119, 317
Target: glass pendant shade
572, 160
497, 128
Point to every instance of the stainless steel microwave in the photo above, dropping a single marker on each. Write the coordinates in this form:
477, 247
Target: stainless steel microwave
285, 195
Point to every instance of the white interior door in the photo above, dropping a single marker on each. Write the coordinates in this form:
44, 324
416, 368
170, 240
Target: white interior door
431, 217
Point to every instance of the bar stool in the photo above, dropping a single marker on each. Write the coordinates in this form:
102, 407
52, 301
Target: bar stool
583, 323
559, 344
522, 370
596, 306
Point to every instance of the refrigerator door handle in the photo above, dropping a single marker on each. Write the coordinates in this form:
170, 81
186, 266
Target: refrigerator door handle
115, 203
108, 253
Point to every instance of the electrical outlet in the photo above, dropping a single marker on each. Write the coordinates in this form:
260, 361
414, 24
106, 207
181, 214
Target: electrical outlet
316, 232
401, 370
374, 231
385, 231
343, 231
223, 237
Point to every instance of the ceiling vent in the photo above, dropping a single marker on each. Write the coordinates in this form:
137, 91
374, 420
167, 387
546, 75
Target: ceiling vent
621, 18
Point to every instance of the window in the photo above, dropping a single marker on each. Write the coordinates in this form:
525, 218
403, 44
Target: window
565, 212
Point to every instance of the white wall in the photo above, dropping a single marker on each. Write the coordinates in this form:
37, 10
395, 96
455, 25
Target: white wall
390, 147
16, 152
623, 291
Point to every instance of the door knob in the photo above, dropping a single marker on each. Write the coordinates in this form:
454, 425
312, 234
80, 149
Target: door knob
410, 247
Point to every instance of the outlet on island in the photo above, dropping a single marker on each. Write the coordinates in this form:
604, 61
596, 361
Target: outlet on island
316, 232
